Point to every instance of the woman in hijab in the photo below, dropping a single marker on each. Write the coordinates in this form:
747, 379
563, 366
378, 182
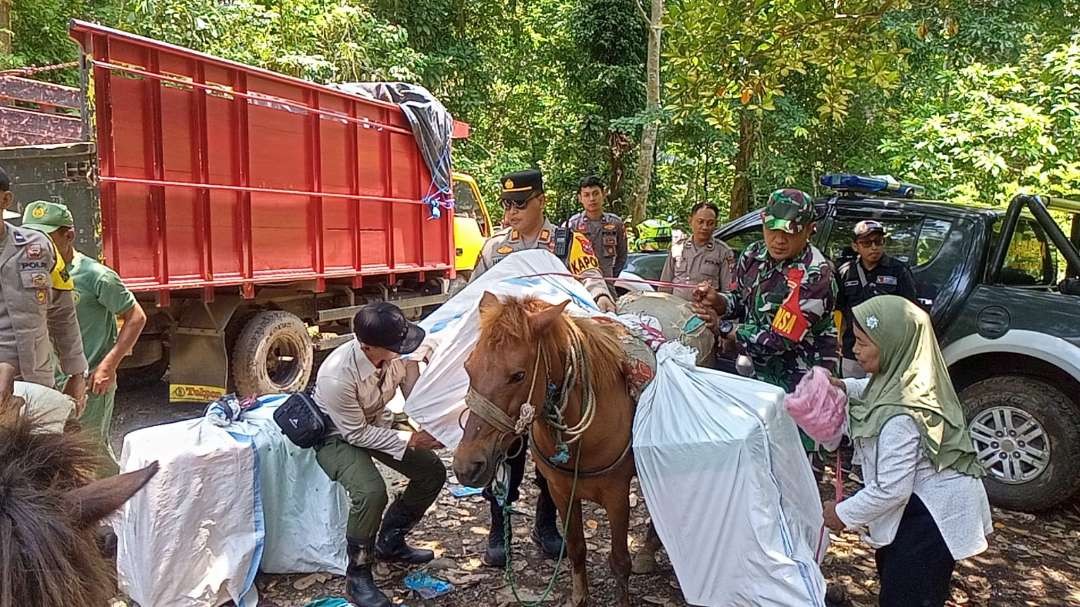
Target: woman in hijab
923, 506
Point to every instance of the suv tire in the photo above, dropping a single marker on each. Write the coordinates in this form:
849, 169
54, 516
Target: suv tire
1013, 419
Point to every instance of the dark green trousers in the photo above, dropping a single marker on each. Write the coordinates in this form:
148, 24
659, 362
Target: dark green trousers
355, 469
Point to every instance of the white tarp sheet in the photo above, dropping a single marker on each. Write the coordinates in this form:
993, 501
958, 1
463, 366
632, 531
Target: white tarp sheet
729, 487
438, 398
226, 503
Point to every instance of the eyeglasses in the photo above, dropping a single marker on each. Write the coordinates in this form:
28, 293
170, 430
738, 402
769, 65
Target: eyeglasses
517, 204
871, 242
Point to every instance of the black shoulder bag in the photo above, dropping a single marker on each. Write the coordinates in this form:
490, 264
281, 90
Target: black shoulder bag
301, 420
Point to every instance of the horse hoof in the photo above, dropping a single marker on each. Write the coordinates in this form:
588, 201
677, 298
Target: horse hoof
643, 564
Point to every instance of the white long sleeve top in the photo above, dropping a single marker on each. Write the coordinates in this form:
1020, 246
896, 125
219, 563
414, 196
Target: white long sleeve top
894, 466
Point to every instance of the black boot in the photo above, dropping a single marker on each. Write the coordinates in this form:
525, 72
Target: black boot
396, 524
495, 555
359, 583
545, 533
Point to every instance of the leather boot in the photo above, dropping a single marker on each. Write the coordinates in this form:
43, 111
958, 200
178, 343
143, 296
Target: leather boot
359, 583
495, 555
396, 524
545, 533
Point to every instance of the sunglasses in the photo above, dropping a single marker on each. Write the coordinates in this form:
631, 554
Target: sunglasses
871, 242
517, 204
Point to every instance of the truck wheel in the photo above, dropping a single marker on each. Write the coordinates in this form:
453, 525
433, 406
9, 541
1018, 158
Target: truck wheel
1027, 436
273, 354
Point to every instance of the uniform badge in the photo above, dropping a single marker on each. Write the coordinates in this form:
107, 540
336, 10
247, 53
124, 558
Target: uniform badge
40, 281
38, 212
609, 226
508, 184
545, 235
505, 250
515, 235
33, 251
41, 296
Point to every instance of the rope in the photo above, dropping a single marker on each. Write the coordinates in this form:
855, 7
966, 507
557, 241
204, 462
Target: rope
30, 71
577, 368
490, 412
655, 283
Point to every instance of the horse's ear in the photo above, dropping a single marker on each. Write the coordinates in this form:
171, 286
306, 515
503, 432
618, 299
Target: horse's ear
543, 319
488, 300
99, 499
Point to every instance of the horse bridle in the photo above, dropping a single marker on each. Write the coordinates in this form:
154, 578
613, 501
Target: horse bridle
499, 420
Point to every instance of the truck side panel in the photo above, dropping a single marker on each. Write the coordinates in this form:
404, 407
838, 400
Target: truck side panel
217, 174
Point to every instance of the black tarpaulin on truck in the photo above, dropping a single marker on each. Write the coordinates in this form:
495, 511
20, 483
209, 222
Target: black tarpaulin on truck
431, 124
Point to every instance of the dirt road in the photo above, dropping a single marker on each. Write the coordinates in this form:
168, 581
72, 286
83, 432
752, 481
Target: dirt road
1032, 561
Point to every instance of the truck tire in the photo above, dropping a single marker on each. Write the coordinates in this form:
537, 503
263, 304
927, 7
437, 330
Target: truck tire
1027, 435
273, 354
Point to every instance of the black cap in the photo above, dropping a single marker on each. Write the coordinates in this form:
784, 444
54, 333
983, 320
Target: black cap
522, 185
383, 325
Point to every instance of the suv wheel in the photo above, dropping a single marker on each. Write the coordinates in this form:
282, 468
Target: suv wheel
1027, 435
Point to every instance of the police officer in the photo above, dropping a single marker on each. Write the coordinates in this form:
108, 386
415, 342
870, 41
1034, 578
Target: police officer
605, 231
698, 257
523, 201
37, 310
870, 274
784, 296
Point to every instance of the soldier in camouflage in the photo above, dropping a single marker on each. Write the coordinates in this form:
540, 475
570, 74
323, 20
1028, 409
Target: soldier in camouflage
784, 296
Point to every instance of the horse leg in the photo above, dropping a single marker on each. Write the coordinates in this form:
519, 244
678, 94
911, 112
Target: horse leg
575, 549
617, 505
645, 559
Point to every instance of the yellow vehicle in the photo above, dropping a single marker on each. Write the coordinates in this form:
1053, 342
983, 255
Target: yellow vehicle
472, 224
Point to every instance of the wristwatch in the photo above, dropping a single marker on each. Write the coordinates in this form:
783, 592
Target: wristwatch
726, 327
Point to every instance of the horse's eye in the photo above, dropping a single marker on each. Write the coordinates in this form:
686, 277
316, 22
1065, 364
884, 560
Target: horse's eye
517, 377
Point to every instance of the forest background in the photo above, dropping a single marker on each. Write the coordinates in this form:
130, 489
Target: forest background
671, 102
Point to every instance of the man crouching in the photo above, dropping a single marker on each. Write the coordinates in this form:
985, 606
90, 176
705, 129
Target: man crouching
353, 386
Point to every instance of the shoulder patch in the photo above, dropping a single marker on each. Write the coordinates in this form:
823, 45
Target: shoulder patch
545, 235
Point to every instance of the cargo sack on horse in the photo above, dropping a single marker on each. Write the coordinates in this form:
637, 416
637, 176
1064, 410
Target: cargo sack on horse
534, 326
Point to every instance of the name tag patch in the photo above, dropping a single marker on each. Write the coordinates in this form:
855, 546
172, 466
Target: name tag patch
886, 280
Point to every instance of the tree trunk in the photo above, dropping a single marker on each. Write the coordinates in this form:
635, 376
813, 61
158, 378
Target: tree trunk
5, 27
741, 192
652, 106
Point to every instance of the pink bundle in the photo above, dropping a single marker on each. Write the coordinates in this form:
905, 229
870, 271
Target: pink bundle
819, 408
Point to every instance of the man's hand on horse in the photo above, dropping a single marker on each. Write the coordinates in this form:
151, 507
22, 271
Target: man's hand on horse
423, 440
606, 304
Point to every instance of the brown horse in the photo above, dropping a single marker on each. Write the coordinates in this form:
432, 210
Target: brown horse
49, 507
525, 350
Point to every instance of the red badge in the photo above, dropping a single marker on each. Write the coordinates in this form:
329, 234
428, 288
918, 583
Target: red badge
33, 251
789, 320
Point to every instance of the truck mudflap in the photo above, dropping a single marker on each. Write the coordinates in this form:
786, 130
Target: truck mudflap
199, 359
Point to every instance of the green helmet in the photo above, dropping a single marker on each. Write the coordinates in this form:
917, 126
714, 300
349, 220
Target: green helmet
654, 235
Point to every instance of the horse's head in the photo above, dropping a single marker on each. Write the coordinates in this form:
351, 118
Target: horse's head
49, 509
505, 372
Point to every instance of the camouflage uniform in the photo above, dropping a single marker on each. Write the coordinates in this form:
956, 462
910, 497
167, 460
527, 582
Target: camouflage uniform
785, 335
608, 238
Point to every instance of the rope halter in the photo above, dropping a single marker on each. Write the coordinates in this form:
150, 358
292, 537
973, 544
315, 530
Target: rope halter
488, 411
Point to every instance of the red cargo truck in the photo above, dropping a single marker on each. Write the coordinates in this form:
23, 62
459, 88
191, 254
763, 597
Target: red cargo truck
250, 212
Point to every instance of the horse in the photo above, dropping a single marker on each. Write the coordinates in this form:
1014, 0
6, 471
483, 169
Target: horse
536, 369
49, 509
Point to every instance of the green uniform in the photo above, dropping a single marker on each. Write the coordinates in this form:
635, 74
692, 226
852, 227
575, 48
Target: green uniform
100, 296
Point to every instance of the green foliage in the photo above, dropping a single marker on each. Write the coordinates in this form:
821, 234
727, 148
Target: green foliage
1003, 130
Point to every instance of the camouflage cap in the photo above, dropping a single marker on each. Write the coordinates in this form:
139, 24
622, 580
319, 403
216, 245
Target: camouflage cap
788, 210
47, 216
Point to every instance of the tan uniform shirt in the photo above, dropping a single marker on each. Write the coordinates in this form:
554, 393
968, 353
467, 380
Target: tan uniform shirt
581, 261
689, 263
37, 309
354, 394
608, 238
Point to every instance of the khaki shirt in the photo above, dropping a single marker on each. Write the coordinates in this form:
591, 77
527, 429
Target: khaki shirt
581, 261
689, 263
354, 394
37, 309
608, 238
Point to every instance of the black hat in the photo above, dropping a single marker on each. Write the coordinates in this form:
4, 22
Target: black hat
384, 326
522, 185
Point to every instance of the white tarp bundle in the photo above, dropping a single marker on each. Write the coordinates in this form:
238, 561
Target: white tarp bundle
729, 487
438, 398
226, 503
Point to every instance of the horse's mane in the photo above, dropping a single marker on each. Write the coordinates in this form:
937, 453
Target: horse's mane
45, 559
508, 323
